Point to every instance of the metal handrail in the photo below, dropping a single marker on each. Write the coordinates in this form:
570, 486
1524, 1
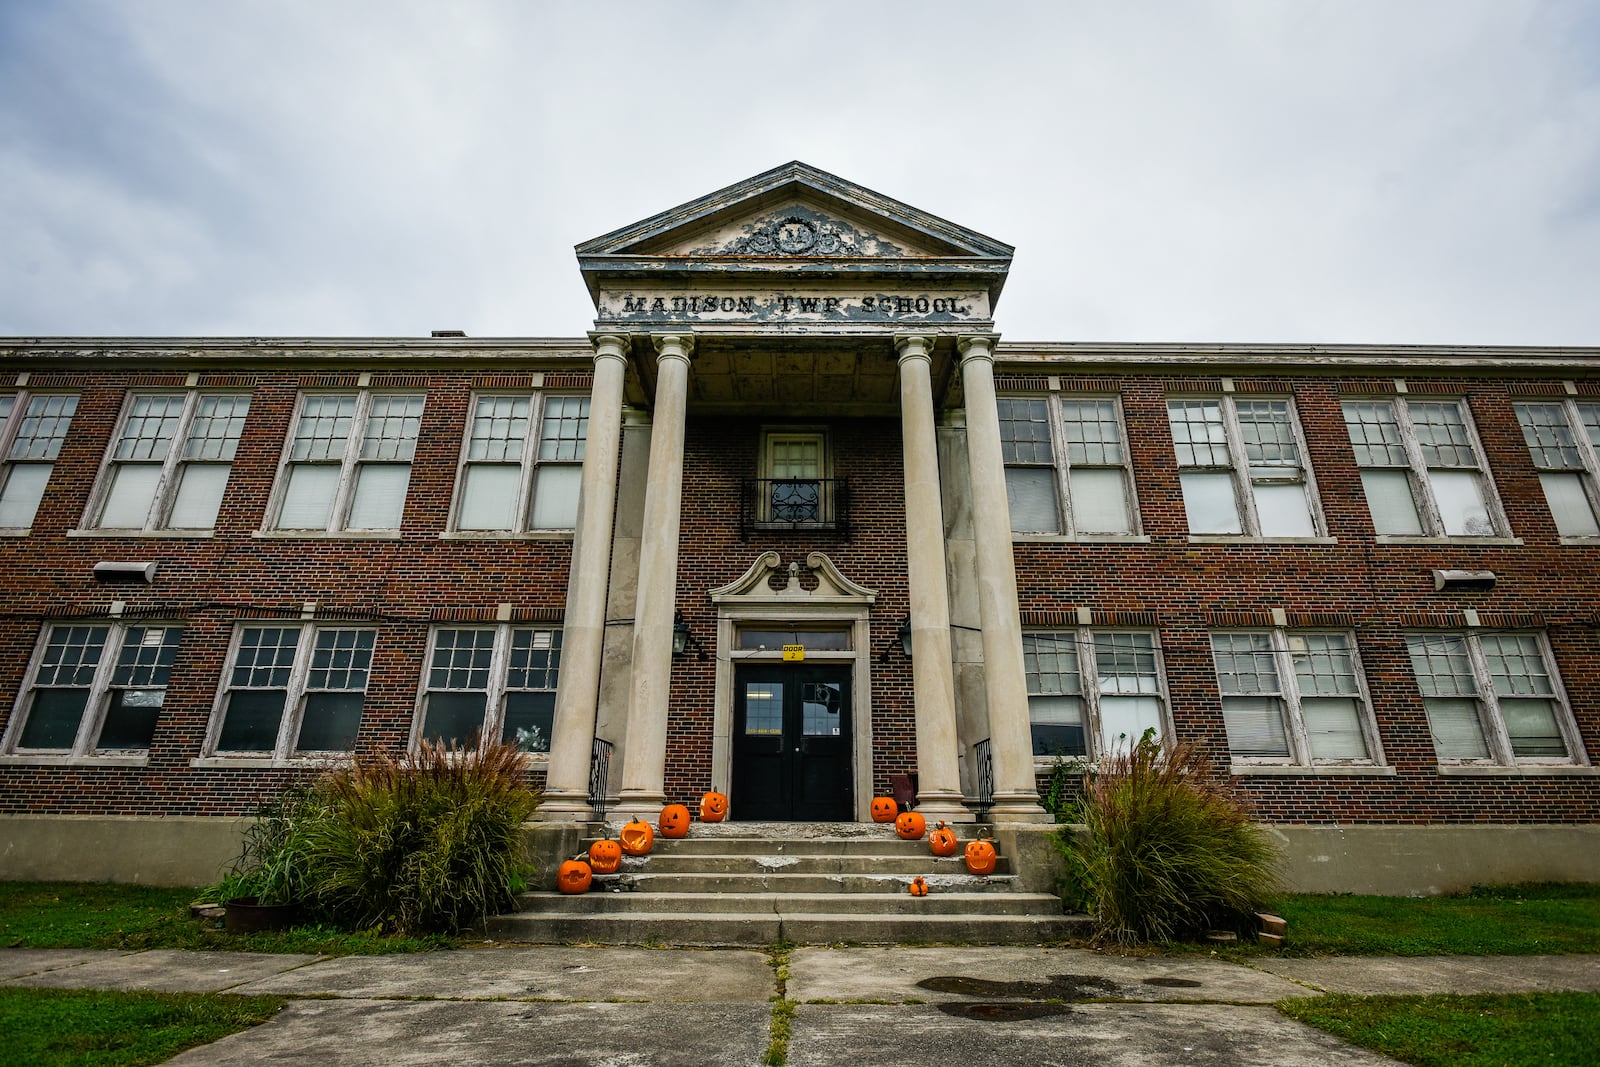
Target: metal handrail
981, 752
599, 776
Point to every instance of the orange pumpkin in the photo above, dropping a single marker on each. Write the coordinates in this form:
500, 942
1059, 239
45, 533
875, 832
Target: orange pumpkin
884, 809
636, 838
943, 841
674, 820
980, 857
574, 876
605, 857
910, 826
713, 807
919, 886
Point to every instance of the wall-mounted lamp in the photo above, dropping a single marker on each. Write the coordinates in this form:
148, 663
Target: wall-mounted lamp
905, 636
683, 639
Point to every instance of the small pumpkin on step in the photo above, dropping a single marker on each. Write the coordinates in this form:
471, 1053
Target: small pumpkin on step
919, 886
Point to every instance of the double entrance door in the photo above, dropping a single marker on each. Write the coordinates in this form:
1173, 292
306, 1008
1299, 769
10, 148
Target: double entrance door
792, 743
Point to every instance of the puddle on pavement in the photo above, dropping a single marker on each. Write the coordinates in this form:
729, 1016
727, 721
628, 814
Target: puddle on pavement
1173, 983
1007, 1012
1058, 987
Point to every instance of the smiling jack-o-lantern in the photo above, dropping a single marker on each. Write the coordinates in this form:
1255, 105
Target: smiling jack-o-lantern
980, 857
636, 838
943, 841
918, 886
713, 807
605, 857
574, 876
884, 809
674, 821
910, 825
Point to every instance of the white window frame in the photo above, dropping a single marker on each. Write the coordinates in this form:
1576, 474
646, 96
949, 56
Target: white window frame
97, 703
172, 465
350, 465
827, 516
10, 429
530, 464
1588, 471
1089, 683
295, 691
498, 683
1495, 734
1417, 470
1062, 466
1240, 472
1290, 697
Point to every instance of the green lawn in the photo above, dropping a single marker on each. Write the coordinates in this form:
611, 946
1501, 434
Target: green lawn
72, 1027
98, 915
1505, 1030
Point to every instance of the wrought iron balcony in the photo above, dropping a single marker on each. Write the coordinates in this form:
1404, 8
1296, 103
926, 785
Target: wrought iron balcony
794, 504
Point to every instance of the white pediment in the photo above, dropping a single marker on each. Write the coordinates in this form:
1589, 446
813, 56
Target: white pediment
755, 585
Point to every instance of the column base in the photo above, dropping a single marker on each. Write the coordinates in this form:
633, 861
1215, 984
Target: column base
637, 804
946, 806
560, 807
1018, 807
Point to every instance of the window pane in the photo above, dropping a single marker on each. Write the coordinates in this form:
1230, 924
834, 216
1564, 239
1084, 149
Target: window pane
1093, 435
456, 717
1031, 495
392, 427
461, 659
324, 427
330, 722
133, 490
1516, 665
341, 659
1459, 495
71, 656
763, 708
1099, 501
1057, 726
53, 719
499, 427
380, 496
218, 422
265, 656
19, 500
566, 428
1209, 503
1390, 502
1457, 730
535, 661
1283, 510
1569, 505
1050, 662
152, 423
1533, 729
1198, 434
146, 656
1375, 435
131, 719
308, 500
820, 705
1245, 663
1124, 720
1442, 433
44, 427
200, 490
529, 719
1126, 663
1255, 726
250, 723
1442, 666
555, 498
1549, 436
1333, 727
1024, 431
489, 497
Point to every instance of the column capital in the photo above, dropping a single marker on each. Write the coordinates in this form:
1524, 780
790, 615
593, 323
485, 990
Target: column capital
673, 345
610, 345
913, 346
977, 346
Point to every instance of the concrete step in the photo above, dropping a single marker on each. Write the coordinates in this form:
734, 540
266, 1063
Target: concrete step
874, 845
754, 929
839, 884
909, 864
937, 902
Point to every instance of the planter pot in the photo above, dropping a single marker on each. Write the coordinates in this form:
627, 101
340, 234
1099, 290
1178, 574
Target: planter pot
247, 917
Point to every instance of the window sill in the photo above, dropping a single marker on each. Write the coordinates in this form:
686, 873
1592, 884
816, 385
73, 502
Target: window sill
327, 535
42, 760
239, 763
1498, 770
13, 531
1080, 539
125, 534
1243, 539
1396, 539
1592, 542
506, 535
1316, 770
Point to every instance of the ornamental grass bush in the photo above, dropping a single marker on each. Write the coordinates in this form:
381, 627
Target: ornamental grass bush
429, 842
1167, 850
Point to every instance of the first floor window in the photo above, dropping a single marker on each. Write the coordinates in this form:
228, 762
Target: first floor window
1293, 698
95, 688
1092, 692
294, 689
1493, 698
491, 682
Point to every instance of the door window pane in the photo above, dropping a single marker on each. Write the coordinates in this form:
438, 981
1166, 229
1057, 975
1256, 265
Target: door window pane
763, 708
820, 704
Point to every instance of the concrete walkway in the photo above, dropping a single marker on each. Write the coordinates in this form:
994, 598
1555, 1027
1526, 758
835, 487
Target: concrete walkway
630, 1007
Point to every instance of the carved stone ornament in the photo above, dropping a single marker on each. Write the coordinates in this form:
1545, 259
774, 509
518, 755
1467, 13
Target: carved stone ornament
794, 235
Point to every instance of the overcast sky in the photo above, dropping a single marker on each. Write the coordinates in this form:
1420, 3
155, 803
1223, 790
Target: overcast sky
1378, 171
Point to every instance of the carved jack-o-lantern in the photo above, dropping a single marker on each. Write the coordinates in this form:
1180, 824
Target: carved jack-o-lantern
919, 886
574, 876
943, 841
605, 857
980, 857
674, 820
713, 807
884, 809
636, 838
910, 825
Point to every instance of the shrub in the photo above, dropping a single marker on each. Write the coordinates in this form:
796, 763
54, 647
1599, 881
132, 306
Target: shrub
274, 863
422, 843
1167, 850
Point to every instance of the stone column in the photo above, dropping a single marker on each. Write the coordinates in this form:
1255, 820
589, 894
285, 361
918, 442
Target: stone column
644, 756
566, 792
1016, 797
932, 676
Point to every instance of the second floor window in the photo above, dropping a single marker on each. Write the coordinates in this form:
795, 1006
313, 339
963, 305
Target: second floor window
348, 463
170, 463
1562, 437
1241, 468
1090, 492
32, 430
1294, 698
1421, 468
1092, 692
522, 463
